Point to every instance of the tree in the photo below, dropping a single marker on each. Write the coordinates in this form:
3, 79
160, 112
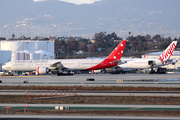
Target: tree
36, 38
102, 40
83, 40
99, 38
28, 38
162, 45
148, 37
92, 48
178, 43
134, 45
142, 46
141, 38
157, 38
129, 33
73, 44
83, 46
60, 46
13, 35
127, 47
2, 38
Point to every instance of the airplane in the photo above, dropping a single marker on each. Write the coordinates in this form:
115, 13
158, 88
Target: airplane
61, 66
147, 63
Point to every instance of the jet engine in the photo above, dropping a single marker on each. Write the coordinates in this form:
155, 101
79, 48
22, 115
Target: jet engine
174, 62
42, 70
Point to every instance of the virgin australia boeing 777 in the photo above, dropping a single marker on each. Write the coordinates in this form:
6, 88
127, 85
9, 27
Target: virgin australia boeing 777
57, 66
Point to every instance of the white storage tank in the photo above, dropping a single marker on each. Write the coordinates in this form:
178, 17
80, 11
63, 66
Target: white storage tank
6, 57
12, 45
14, 56
51, 47
45, 54
35, 56
23, 55
29, 45
40, 45
19, 55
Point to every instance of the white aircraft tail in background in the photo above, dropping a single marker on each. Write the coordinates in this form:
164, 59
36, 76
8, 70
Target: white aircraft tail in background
168, 52
146, 63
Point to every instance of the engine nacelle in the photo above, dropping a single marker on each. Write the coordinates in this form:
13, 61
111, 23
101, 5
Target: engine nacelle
42, 70
174, 62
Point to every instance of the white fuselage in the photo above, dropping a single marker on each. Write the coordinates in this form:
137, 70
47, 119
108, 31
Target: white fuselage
32, 65
140, 63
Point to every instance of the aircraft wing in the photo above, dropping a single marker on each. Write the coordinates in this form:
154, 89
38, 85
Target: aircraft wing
171, 61
117, 61
56, 66
122, 61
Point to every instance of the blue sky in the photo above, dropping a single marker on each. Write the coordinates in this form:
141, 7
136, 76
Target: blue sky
77, 2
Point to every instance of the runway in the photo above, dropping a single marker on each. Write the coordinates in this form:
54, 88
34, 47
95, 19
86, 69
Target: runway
93, 106
78, 117
149, 80
73, 107
90, 93
167, 80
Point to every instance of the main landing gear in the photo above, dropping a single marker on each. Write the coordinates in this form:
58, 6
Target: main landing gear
159, 71
65, 74
119, 72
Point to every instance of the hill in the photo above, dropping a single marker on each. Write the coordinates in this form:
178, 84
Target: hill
56, 18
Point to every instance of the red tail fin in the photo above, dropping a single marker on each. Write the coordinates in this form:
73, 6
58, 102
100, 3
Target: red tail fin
118, 51
115, 55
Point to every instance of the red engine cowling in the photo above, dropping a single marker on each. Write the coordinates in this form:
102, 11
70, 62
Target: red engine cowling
42, 70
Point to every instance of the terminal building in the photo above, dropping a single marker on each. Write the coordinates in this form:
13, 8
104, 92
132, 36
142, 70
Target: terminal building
11, 50
176, 56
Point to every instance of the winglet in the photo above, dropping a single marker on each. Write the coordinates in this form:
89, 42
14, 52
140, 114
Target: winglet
168, 52
118, 51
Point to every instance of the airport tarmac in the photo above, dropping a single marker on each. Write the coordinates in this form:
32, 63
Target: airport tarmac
163, 80
93, 107
79, 117
90, 93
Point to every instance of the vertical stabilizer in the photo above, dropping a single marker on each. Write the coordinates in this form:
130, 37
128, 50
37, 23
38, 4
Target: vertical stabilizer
168, 52
118, 51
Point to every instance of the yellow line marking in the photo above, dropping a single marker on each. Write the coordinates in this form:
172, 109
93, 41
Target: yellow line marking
119, 80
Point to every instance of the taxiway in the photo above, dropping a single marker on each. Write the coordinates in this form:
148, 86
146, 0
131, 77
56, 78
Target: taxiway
155, 80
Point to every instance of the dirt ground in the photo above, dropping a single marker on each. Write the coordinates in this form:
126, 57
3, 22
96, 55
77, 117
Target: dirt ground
101, 88
90, 99
52, 99
93, 112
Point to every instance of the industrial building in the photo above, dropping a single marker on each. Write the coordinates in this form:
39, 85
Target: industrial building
176, 56
25, 50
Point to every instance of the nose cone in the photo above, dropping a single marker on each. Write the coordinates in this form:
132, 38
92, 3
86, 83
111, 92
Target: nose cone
4, 67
